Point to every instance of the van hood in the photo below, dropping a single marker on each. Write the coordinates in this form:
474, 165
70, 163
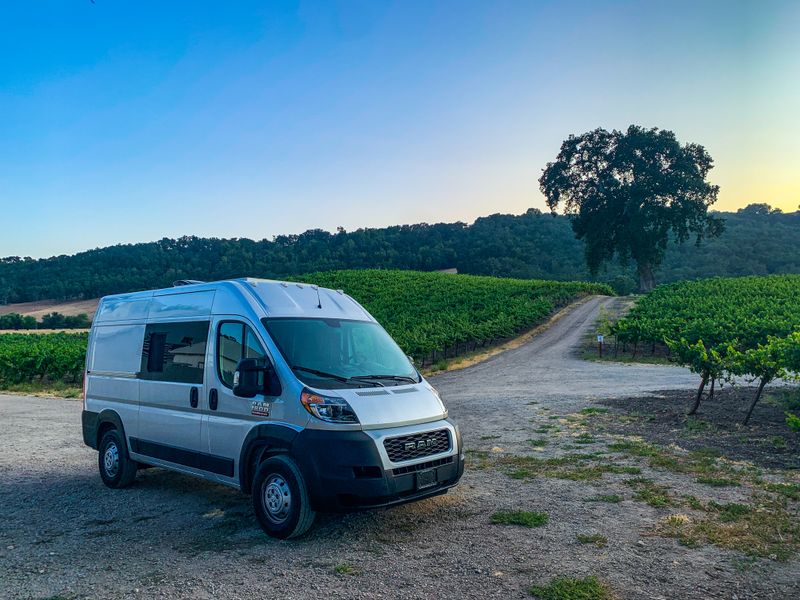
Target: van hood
393, 406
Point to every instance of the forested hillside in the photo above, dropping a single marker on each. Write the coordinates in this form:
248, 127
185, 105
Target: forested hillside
531, 245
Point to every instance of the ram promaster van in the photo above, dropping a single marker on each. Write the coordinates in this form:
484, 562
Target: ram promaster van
287, 391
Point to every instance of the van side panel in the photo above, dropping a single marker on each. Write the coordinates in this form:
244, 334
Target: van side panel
112, 364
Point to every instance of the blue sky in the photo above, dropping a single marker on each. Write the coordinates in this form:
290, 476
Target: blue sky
125, 122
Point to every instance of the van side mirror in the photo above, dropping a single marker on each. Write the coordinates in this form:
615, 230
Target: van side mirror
253, 378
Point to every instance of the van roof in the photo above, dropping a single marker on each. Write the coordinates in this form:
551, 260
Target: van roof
253, 297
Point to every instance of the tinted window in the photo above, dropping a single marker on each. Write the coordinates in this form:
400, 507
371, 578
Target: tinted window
235, 341
174, 352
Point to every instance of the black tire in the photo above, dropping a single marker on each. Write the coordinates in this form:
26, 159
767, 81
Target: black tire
117, 470
280, 498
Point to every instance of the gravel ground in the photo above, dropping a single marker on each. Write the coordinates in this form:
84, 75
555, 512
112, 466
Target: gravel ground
65, 535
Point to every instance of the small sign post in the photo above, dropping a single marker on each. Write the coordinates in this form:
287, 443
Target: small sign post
600, 339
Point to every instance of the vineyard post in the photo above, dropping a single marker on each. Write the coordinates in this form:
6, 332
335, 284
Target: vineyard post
600, 340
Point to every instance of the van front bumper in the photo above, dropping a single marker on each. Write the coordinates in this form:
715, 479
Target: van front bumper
347, 470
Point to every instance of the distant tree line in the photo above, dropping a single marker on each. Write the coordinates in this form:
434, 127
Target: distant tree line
757, 240
52, 320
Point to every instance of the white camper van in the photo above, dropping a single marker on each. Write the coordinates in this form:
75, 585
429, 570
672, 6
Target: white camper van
289, 392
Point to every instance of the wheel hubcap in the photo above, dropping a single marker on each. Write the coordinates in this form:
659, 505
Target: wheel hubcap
111, 459
277, 499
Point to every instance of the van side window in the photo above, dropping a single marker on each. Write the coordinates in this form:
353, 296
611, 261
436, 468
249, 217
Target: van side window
174, 352
235, 341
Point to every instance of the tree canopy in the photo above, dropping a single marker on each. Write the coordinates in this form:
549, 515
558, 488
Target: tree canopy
532, 245
630, 193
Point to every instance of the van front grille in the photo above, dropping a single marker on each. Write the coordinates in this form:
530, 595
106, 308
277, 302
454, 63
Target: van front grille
418, 445
447, 460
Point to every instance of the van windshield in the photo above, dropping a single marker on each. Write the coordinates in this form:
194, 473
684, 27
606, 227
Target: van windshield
340, 353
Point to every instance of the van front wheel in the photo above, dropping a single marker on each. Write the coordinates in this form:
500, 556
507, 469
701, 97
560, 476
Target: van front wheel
117, 470
280, 498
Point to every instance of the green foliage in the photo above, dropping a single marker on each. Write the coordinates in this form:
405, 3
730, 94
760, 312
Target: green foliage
54, 320
570, 588
529, 246
17, 321
436, 312
55, 357
629, 192
519, 517
424, 312
723, 327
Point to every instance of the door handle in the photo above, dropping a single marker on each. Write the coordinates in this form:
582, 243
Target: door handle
213, 399
194, 395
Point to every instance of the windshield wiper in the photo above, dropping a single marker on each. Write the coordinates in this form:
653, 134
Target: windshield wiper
390, 377
320, 373
332, 375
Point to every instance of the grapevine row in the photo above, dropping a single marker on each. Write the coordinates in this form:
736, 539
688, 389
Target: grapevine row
430, 315
723, 327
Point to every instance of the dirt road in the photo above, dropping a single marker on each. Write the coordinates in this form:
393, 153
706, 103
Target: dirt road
63, 534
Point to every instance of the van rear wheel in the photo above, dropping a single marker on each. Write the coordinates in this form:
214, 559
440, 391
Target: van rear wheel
117, 470
280, 498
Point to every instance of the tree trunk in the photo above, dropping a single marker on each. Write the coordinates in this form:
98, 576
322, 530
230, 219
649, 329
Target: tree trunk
647, 279
755, 400
699, 395
711, 393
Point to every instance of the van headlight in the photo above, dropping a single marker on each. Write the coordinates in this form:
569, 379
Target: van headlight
328, 408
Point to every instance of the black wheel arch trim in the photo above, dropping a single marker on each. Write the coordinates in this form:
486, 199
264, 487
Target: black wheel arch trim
262, 440
93, 423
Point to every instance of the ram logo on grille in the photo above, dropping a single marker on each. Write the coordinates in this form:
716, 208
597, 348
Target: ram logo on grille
417, 445
420, 445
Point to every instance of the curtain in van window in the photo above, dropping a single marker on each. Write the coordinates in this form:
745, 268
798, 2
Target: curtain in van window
175, 352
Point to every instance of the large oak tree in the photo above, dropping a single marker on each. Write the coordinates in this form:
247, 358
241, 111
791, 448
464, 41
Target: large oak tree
628, 193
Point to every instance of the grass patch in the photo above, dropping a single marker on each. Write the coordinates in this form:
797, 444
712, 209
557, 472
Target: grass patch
789, 490
707, 453
490, 437
695, 425
344, 569
585, 438
571, 588
573, 467
645, 490
546, 428
728, 513
765, 529
593, 410
634, 448
718, 481
610, 498
778, 442
538, 443
704, 464
519, 517
598, 540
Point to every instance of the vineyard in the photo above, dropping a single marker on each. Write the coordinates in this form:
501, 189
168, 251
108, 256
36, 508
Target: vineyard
723, 328
431, 315
435, 315
50, 357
